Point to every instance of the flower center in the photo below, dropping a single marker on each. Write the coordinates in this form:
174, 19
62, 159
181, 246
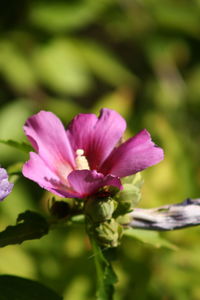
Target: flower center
81, 160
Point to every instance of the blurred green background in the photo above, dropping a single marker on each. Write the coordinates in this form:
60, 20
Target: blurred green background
141, 58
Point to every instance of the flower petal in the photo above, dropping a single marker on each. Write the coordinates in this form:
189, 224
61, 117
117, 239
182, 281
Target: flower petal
86, 182
96, 136
5, 185
37, 170
3, 174
136, 154
48, 137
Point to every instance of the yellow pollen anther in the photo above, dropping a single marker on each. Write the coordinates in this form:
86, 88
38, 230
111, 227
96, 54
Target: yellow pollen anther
81, 160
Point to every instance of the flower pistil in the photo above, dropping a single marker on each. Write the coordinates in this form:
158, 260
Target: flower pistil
81, 160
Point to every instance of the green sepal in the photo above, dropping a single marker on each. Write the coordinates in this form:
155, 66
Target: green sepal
124, 219
129, 197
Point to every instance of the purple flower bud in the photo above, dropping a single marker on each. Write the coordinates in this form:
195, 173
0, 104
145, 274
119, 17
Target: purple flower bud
5, 185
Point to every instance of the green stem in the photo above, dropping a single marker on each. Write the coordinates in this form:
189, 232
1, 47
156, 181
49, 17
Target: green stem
106, 277
97, 261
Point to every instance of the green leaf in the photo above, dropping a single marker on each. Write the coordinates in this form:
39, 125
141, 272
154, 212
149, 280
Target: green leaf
18, 145
105, 65
69, 15
15, 67
152, 238
106, 277
177, 16
61, 66
120, 100
12, 118
30, 225
60, 106
17, 288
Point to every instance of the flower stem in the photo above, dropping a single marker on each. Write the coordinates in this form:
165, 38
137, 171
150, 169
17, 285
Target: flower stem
106, 278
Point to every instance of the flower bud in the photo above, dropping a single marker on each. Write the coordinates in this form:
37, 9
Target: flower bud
59, 209
108, 233
100, 209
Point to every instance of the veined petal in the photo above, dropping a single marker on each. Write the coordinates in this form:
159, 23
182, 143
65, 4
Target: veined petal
37, 170
96, 136
136, 154
48, 137
86, 182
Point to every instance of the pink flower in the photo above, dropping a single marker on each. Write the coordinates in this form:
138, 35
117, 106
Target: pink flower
77, 162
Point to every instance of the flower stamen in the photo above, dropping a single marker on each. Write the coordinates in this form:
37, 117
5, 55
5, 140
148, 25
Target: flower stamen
81, 160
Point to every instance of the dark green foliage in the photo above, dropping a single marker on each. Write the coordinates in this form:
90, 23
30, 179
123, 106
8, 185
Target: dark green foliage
17, 288
30, 225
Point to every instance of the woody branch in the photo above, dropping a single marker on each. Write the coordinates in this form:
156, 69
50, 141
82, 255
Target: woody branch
168, 217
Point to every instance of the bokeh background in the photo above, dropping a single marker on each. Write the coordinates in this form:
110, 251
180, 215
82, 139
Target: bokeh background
141, 58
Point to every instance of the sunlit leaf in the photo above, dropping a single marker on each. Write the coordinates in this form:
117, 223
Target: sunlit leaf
60, 16
121, 101
60, 65
66, 109
12, 118
152, 238
16, 67
183, 17
105, 65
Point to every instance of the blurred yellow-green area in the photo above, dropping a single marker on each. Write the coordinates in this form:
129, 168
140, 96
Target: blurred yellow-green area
141, 58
